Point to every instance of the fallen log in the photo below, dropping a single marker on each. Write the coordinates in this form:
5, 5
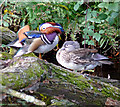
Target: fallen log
28, 73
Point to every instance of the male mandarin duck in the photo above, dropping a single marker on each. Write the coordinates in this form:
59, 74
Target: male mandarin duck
73, 57
40, 41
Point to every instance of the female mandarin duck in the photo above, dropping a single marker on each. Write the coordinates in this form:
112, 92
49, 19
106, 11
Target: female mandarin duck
73, 57
40, 41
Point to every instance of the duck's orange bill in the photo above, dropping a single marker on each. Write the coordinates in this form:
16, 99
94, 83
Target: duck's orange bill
21, 34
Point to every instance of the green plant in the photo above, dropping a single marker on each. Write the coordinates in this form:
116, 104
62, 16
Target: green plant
97, 22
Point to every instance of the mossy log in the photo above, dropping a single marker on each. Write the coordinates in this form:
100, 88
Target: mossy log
32, 74
6, 35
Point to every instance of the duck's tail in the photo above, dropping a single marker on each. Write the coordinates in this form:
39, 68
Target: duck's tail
106, 62
21, 51
102, 59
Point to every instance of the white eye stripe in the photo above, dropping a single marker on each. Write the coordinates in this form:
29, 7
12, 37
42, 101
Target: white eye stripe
44, 26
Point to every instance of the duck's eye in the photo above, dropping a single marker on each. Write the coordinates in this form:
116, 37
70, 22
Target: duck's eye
43, 28
66, 45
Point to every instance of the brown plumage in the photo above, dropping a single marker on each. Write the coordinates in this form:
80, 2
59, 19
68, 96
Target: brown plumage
73, 57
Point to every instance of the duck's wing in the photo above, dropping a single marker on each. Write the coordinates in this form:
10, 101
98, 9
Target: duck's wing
21, 34
84, 52
87, 56
33, 34
20, 41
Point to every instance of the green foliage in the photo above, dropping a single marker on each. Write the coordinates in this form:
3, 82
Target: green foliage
97, 22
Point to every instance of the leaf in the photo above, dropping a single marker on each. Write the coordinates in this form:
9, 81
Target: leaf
94, 13
86, 37
114, 14
34, 25
0, 22
9, 19
97, 20
85, 31
48, 12
73, 36
14, 16
76, 7
85, 42
5, 16
91, 27
63, 6
5, 24
102, 41
22, 23
5, 2
111, 20
90, 32
91, 42
101, 31
97, 36
102, 16
92, 19
113, 6
89, 14
101, 5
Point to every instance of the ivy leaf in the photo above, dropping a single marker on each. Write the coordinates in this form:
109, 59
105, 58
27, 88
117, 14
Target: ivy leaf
102, 16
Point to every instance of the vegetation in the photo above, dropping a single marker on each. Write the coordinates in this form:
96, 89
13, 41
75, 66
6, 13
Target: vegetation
91, 23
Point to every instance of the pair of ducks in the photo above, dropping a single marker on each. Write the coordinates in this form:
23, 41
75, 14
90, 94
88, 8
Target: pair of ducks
70, 55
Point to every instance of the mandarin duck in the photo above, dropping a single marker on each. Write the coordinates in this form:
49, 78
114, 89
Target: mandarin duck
73, 57
41, 41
